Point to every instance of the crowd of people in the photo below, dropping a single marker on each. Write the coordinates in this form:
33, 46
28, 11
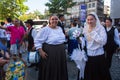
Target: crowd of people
91, 45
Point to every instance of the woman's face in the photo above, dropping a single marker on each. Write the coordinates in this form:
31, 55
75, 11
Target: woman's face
53, 21
16, 22
91, 21
108, 23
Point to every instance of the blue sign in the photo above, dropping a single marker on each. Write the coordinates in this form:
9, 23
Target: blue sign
83, 12
83, 6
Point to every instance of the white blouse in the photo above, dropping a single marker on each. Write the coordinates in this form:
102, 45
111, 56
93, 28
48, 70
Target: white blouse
49, 36
96, 39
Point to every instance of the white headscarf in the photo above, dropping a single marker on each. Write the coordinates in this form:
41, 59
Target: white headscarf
98, 24
97, 19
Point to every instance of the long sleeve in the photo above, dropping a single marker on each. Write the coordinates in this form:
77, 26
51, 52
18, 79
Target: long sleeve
40, 38
100, 37
95, 40
116, 37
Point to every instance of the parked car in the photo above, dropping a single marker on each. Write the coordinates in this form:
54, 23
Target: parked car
38, 24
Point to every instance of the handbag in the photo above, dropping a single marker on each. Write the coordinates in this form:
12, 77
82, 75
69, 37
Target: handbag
33, 57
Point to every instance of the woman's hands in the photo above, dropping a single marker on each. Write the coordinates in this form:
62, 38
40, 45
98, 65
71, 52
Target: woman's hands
43, 54
90, 29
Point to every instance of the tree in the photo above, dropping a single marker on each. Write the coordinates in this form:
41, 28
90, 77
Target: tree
38, 14
35, 15
12, 8
59, 6
46, 14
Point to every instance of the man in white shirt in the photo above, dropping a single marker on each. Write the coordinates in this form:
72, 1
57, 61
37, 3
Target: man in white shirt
112, 44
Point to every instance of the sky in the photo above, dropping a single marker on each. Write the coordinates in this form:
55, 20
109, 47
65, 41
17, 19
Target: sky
40, 5
36, 5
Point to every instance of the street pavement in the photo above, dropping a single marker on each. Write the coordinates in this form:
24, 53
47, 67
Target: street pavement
73, 71
115, 69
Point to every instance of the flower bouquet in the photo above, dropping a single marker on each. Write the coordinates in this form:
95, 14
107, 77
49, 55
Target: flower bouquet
77, 33
79, 54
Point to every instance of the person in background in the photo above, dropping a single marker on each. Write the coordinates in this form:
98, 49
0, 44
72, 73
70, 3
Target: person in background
2, 63
8, 23
3, 34
72, 42
103, 23
17, 34
96, 38
76, 19
23, 48
22, 24
113, 42
31, 34
50, 44
61, 22
4, 59
43, 25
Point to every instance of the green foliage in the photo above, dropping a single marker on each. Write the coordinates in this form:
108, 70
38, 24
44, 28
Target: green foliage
38, 14
35, 15
59, 6
12, 8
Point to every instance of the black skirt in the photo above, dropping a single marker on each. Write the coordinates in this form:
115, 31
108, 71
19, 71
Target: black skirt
96, 68
55, 66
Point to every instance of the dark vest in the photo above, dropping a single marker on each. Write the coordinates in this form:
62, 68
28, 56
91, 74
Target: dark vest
62, 26
110, 46
30, 40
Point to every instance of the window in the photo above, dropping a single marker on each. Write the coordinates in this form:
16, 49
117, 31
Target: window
89, 5
93, 4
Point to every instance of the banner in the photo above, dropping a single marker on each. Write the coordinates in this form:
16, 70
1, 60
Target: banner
83, 12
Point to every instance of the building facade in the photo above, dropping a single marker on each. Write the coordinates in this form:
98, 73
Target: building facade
107, 10
96, 6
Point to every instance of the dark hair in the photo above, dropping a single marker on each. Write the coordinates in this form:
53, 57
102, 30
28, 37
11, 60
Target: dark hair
2, 23
30, 21
109, 19
74, 23
91, 15
22, 24
9, 20
60, 15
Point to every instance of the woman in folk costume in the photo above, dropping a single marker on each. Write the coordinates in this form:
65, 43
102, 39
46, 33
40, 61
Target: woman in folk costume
50, 44
76, 47
96, 38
